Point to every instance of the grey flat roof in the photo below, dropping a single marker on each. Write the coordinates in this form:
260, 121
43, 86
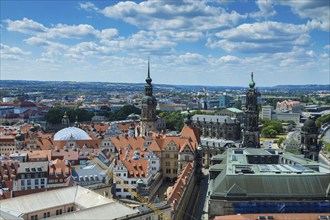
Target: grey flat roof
80, 196
40, 164
292, 175
106, 211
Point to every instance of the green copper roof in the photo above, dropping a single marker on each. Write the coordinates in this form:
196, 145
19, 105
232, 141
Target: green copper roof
252, 83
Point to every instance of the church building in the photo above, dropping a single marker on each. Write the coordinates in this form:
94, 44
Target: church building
251, 115
148, 108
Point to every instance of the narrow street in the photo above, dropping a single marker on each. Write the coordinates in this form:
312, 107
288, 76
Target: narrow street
195, 209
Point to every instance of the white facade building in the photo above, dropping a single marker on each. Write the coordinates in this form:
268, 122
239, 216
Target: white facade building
137, 170
31, 175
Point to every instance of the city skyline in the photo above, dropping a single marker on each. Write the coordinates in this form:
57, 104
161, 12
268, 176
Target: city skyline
214, 43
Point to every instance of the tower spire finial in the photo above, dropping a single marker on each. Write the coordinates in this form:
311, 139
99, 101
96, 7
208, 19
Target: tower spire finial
148, 67
252, 83
148, 79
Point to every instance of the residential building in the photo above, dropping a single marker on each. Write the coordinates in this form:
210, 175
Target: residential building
73, 203
224, 101
4, 110
59, 172
23, 106
90, 175
7, 144
138, 169
181, 192
210, 104
212, 147
171, 107
31, 175
174, 151
268, 113
289, 105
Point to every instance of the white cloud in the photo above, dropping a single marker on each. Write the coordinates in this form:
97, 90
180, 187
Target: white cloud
12, 53
81, 31
170, 15
71, 31
229, 59
316, 10
263, 37
108, 33
147, 42
266, 9
88, 6
25, 26
37, 41
87, 50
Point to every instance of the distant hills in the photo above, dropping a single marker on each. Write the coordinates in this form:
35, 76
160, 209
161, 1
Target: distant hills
32, 86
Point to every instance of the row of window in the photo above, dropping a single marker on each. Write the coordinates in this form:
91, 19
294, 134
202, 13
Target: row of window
168, 171
168, 156
56, 181
127, 182
29, 187
33, 175
168, 163
29, 181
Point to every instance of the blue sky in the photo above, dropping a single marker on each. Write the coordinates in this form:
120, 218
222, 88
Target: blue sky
189, 42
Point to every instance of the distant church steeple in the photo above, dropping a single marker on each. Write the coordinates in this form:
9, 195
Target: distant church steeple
65, 120
148, 107
310, 145
251, 116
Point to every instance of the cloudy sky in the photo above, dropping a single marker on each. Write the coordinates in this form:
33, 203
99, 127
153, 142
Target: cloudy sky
194, 42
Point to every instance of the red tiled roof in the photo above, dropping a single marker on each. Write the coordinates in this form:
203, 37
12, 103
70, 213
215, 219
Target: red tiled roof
26, 104
180, 185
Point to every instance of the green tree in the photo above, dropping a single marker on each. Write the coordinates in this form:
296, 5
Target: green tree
323, 119
280, 141
271, 128
54, 115
174, 120
126, 111
81, 114
268, 131
238, 104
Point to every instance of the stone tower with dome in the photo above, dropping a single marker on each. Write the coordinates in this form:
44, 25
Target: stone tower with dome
251, 115
148, 108
310, 145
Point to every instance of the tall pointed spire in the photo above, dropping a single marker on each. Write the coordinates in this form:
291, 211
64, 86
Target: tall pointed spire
148, 79
252, 83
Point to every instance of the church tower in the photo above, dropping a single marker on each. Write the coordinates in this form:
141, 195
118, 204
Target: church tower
310, 146
251, 116
65, 121
148, 107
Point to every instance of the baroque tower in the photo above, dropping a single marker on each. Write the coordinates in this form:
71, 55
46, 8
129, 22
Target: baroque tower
148, 107
251, 116
310, 146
